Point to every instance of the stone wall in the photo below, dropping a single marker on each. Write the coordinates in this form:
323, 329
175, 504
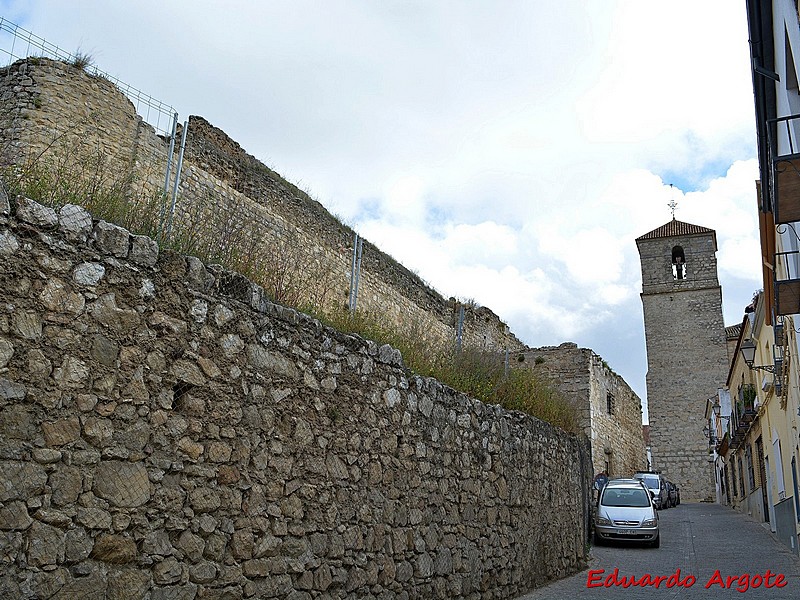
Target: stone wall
51, 112
582, 376
167, 432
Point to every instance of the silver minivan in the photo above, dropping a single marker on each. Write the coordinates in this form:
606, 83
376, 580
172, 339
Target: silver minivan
625, 512
657, 484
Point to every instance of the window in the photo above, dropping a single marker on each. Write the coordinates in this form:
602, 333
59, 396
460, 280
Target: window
741, 479
678, 263
733, 477
751, 472
776, 452
791, 73
633, 498
610, 403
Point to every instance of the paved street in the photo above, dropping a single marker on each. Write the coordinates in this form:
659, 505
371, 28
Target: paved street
698, 539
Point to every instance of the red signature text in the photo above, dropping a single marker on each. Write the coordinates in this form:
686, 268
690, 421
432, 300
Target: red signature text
741, 583
746, 581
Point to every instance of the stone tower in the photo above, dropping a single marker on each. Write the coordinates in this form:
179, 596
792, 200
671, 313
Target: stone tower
686, 354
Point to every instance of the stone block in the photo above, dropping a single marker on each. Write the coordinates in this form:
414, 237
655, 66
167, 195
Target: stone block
75, 223
94, 518
157, 542
58, 298
264, 359
21, 480
17, 421
128, 584
106, 312
167, 571
8, 244
88, 273
123, 484
78, 545
45, 545
14, 516
192, 545
204, 500
144, 251
66, 484
114, 549
11, 390
111, 239
36, 214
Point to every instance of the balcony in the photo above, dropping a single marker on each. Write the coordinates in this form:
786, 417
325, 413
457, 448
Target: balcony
744, 415
724, 444
785, 169
787, 282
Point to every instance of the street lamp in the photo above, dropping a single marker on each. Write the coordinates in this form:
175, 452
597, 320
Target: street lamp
715, 408
748, 350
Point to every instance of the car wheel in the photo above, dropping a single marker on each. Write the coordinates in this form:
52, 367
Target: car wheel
597, 540
656, 542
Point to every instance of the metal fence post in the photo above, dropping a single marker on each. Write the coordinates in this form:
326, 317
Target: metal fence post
163, 215
355, 271
177, 179
460, 328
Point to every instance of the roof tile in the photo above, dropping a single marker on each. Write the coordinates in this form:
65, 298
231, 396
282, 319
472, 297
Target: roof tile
674, 228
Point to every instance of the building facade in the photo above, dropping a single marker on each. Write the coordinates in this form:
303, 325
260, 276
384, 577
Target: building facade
758, 441
756, 432
686, 349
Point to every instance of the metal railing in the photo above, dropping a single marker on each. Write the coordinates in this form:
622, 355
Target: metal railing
17, 43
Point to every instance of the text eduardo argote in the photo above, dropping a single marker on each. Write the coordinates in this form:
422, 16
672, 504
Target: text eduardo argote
741, 583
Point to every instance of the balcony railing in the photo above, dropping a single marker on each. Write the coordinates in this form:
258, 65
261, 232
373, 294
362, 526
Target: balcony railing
787, 189
743, 415
787, 282
785, 169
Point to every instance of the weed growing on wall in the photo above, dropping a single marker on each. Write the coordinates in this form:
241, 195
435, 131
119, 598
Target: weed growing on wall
82, 60
477, 373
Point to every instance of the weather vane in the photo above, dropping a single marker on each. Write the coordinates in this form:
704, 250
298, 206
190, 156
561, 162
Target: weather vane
672, 204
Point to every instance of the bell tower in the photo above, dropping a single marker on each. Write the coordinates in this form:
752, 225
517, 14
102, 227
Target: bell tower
686, 354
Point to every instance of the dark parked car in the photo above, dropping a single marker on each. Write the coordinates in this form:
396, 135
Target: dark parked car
673, 493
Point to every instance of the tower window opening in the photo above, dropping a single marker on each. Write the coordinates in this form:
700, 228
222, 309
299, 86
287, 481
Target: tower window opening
610, 403
678, 263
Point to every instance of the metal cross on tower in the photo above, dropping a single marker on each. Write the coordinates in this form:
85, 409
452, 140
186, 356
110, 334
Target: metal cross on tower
672, 204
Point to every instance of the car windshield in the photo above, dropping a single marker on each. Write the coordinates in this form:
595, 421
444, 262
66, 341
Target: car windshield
633, 497
651, 482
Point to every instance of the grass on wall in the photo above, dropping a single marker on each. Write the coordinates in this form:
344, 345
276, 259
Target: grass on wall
218, 235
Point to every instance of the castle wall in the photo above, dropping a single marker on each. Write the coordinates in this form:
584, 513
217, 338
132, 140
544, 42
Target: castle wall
585, 379
165, 431
53, 112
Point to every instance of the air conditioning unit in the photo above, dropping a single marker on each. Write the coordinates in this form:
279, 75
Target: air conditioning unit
766, 383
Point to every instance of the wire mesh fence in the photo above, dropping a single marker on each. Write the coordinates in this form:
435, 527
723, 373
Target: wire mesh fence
18, 43
118, 141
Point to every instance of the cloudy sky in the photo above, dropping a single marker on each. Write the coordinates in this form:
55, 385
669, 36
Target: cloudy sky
508, 152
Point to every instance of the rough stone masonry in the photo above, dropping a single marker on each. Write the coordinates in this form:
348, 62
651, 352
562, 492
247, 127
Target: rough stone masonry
167, 432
